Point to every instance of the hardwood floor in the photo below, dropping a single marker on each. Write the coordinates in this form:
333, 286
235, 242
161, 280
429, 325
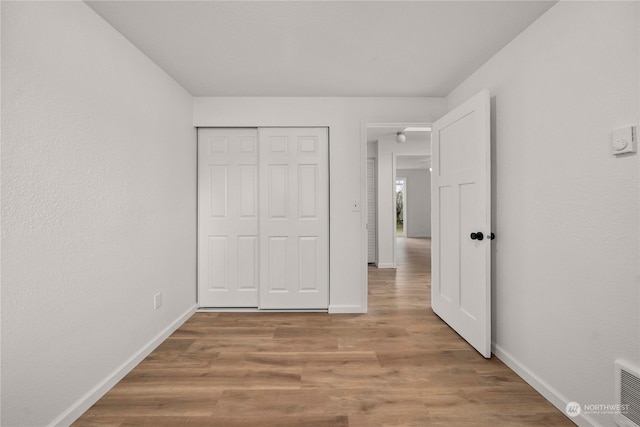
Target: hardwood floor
398, 365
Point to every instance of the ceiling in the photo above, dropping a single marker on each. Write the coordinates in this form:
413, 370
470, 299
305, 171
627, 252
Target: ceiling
413, 162
387, 134
320, 48
376, 133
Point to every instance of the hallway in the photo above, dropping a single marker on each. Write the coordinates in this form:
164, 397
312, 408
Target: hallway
398, 365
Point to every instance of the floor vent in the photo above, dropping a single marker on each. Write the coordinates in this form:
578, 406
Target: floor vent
628, 390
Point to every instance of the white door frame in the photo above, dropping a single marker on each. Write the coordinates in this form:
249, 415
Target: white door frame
364, 125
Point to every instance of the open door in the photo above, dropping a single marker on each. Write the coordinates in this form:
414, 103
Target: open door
461, 221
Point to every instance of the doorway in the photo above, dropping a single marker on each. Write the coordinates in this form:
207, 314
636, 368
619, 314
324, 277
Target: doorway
401, 210
466, 132
371, 210
388, 152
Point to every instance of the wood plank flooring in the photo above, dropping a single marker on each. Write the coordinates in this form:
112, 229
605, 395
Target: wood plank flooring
398, 365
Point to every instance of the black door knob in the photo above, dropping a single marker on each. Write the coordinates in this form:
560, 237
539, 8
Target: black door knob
477, 236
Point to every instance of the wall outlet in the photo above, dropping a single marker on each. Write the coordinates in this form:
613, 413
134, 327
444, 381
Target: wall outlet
157, 301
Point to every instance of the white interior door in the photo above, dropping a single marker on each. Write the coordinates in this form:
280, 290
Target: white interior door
294, 218
228, 217
371, 210
461, 221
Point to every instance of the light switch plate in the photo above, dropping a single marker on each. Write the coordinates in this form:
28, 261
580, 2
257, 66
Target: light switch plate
157, 301
624, 141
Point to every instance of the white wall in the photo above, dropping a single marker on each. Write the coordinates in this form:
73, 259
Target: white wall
388, 148
372, 149
98, 207
565, 210
346, 119
1, 226
418, 201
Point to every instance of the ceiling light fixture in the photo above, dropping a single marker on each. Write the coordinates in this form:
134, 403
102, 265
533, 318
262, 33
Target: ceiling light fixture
401, 137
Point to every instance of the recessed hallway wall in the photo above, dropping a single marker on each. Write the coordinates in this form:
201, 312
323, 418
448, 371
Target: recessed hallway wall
418, 201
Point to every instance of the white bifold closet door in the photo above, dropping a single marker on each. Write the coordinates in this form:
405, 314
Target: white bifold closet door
263, 207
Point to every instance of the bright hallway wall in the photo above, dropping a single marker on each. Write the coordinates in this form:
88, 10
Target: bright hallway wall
98, 208
345, 118
565, 209
418, 201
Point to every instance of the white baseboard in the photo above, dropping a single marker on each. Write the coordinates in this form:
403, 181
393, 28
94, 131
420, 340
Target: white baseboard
92, 396
386, 265
347, 309
556, 398
333, 309
256, 310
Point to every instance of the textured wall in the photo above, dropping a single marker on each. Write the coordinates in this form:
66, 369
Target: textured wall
565, 209
98, 205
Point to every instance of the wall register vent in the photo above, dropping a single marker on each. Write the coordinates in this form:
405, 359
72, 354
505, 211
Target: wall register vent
628, 394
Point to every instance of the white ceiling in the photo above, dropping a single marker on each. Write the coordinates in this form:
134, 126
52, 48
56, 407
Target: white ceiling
386, 135
320, 48
413, 162
376, 133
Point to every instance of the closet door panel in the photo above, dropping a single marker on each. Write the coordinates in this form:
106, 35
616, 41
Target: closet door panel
294, 218
228, 268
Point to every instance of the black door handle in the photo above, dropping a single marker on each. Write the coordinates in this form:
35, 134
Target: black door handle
493, 236
477, 236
